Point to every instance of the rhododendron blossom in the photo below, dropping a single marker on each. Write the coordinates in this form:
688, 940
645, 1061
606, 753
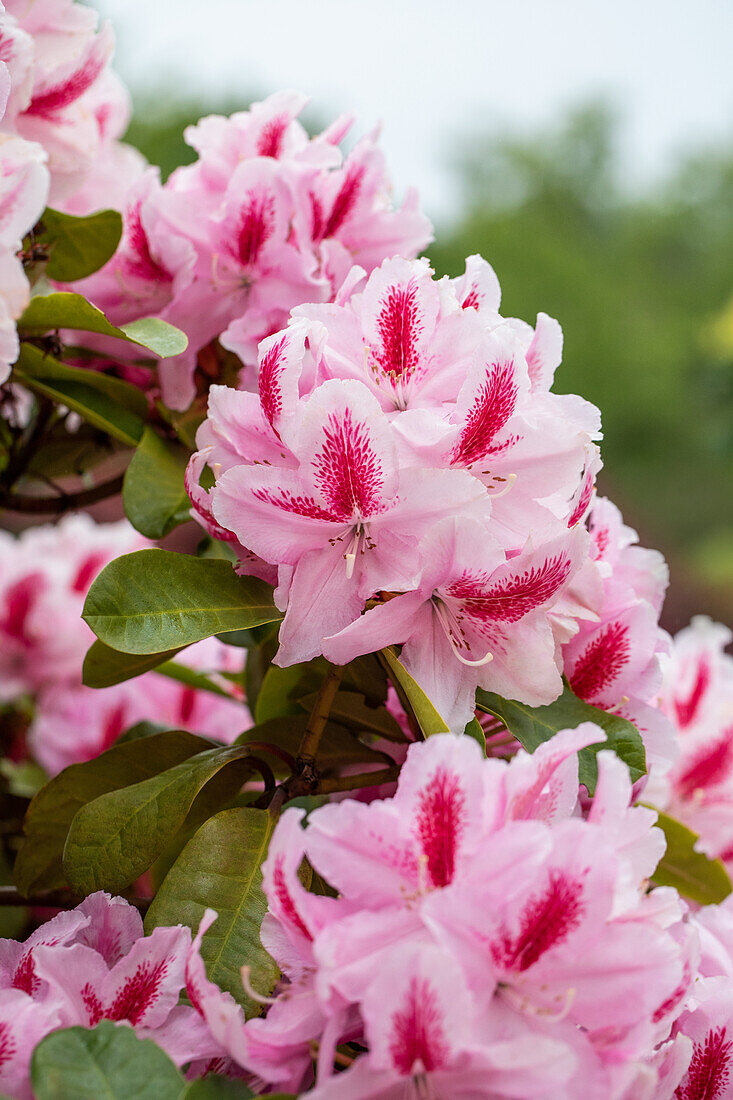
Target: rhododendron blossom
94, 963
265, 219
405, 402
697, 697
614, 659
479, 887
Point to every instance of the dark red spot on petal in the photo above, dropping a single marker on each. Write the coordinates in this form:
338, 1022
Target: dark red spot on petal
138, 993
25, 977
271, 367
584, 498
399, 325
440, 824
285, 899
92, 1004
418, 1041
345, 201
19, 599
708, 768
269, 143
492, 409
686, 709
140, 261
601, 661
546, 921
87, 571
54, 99
8, 1046
347, 469
709, 1073
511, 599
256, 226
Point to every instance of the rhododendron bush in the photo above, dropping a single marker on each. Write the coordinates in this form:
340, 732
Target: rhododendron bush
392, 785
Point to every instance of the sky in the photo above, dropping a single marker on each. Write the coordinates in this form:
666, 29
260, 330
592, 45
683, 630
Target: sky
433, 71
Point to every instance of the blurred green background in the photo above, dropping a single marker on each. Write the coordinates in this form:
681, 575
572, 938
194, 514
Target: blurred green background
642, 284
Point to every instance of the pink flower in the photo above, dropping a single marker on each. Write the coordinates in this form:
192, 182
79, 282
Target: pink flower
73, 723
62, 94
697, 697
475, 618
479, 940
46, 574
89, 964
613, 661
347, 520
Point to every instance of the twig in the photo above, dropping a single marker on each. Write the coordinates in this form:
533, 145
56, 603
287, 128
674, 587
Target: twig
54, 899
311, 738
66, 502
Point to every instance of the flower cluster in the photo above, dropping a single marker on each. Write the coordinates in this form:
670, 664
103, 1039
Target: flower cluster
614, 659
477, 941
697, 697
89, 964
405, 454
265, 219
62, 110
46, 574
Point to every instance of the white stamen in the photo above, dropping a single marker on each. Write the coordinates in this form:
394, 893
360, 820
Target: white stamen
526, 1006
247, 986
455, 643
510, 479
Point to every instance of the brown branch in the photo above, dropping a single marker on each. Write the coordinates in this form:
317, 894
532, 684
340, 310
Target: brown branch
54, 899
318, 717
65, 502
356, 782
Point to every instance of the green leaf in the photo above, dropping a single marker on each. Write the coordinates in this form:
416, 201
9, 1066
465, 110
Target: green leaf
109, 404
191, 678
78, 246
692, 873
338, 747
104, 666
427, 716
217, 1088
153, 494
119, 835
105, 1062
350, 709
49, 312
534, 725
155, 600
38, 865
283, 687
220, 868
474, 730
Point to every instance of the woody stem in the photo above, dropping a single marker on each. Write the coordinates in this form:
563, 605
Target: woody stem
318, 717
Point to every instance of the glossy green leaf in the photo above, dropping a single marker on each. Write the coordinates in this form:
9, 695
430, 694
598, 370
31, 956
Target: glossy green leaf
534, 725
283, 687
155, 600
474, 730
78, 246
62, 310
104, 667
218, 1088
427, 716
119, 835
38, 865
105, 1062
350, 709
220, 868
338, 748
113, 406
153, 494
692, 873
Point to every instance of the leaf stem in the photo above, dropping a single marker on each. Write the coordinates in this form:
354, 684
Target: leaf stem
356, 782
